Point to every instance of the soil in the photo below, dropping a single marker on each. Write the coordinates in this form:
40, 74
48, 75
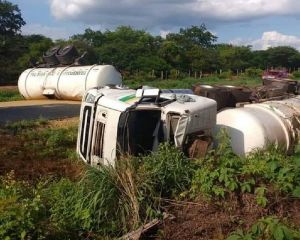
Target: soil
26, 167
13, 88
216, 220
25, 103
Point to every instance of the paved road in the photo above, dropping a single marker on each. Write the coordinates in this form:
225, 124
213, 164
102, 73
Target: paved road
33, 109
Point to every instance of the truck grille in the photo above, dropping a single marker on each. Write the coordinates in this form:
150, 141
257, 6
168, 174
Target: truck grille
99, 137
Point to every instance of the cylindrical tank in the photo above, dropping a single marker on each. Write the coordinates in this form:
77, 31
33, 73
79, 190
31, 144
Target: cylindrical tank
258, 125
66, 82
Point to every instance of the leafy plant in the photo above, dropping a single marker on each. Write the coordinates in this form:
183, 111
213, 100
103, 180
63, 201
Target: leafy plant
267, 228
21, 209
223, 172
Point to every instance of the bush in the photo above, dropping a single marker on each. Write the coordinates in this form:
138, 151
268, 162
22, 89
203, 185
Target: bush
223, 172
296, 74
253, 72
22, 212
225, 75
267, 228
170, 170
112, 201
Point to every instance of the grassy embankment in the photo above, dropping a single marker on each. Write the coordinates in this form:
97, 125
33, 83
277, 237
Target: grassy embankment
46, 193
189, 82
9, 94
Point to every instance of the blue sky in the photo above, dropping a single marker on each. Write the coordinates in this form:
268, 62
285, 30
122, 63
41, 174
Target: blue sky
260, 23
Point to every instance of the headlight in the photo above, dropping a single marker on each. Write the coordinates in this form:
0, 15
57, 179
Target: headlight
90, 98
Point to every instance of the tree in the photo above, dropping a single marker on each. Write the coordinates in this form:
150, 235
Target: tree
35, 46
195, 35
234, 57
11, 20
11, 44
123, 46
283, 56
92, 38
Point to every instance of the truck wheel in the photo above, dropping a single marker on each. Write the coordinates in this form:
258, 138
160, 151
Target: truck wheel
67, 55
50, 56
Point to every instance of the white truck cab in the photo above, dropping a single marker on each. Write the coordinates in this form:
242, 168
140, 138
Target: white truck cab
118, 120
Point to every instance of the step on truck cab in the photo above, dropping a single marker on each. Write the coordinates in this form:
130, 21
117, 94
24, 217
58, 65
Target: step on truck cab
118, 120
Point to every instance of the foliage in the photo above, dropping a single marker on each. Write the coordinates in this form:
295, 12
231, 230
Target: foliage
21, 209
253, 72
107, 202
25, 125
225, 75
10, 95
187, 82
223, 172
267, 228
36, 46
136, 52
170, 170
11, 20
296, 74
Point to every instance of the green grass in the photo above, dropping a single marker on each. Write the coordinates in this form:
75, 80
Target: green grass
189, 82
10, 95
110, 201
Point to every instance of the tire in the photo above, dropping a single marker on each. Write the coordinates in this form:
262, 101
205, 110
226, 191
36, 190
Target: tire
50, 56
67, 55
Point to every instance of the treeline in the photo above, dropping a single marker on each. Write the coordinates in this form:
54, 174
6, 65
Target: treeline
192, 51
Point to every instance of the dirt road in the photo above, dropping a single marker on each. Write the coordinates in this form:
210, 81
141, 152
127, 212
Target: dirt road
33, 109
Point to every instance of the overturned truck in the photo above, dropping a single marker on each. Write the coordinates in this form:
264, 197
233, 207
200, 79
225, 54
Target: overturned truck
116, 121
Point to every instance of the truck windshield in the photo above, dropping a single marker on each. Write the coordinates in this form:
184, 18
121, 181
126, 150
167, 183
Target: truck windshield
139, 131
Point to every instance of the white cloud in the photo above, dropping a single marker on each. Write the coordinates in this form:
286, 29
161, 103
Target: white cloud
52, 32
270, 39
245, 9
163, 33
168, 13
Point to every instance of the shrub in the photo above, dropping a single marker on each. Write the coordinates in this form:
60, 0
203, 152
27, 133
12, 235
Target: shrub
225, 75
296, 74
22, 212
110, 201
267, 228
253, 72
170, 170
223, 172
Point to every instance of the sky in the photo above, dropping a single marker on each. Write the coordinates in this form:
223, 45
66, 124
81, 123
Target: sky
259, 23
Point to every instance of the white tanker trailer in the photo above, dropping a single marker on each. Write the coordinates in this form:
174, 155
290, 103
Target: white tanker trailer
68, 82
257, 125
